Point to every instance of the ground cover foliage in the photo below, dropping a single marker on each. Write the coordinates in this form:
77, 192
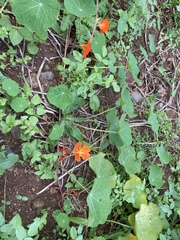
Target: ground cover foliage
115, 111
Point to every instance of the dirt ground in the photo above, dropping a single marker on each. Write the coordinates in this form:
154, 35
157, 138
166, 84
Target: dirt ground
21, 180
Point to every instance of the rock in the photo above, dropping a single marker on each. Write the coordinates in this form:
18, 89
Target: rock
38, 205
8, 150
15, 132
48, 76
136, 96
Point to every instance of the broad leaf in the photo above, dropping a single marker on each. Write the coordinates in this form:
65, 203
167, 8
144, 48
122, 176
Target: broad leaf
97, 43
134, 192
36, 15
61, 218
122, 23
57, 131
152, 119
80, 8
73, 131
19, 104
103, 169
155, 176
125, 131
127, 158
15, 36
11, 87
113, 128
60, 96
126, 102
163, 155
98, 200
148, 224
133, 66
9, 161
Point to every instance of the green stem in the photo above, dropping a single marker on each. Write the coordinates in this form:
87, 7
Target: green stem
118, 223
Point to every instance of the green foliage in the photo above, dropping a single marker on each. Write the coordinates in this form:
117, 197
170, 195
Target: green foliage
147, 222
99, 197
155, 176
37, 12
134, 191
15, 230
80, 8
7, 161
60, 96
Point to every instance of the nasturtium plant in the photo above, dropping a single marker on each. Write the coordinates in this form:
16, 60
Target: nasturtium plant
148, 223
57, 131
36, 15
7, 161
163, 155
125, 130
133, 66
15, 36
97, 43
155, 176
61, 218
60, 96
135, 191
98, 200
11, 87
80, 8
113, 128
152, 118
19, 104
127, 158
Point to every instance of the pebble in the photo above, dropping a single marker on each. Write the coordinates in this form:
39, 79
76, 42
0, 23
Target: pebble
48, 76
15, 132
136, 96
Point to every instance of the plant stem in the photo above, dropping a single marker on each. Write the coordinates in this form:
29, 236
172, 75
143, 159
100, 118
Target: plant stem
95, 23
118, 223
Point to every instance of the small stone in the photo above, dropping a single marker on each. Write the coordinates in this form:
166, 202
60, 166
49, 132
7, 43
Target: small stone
8, 150
48, 76
38, 204
15, 132
137, 97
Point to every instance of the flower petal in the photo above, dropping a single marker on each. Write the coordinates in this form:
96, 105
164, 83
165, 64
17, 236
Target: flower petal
86, 48
85, 152
104, 26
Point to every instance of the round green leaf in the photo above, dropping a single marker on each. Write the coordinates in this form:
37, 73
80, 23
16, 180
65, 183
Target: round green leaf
163, 155
32, 48
36, 15
80, 8
97, 43
155, 176
98, 200
134, 187
148, 224
11, 87
61, 219
60, 96
19, 104
15, 36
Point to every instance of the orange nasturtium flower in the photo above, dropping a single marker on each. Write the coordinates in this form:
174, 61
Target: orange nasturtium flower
80, 151
86, 48
104, 26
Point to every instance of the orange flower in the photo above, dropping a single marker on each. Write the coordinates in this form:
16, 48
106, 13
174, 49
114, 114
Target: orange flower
86, 48
63, 152
80, 151
104, 26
